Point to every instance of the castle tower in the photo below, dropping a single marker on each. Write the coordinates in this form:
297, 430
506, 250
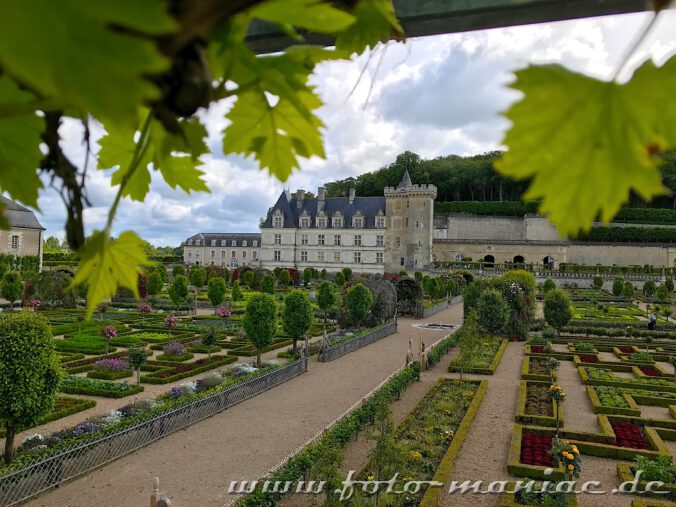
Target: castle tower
408, 238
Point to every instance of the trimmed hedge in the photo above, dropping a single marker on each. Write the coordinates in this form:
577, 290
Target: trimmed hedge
489, 369
629, 235
72, 406
184, 370
98, 387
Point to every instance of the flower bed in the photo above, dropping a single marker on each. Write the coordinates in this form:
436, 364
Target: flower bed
110, 368
598, 376
180, 371
649, 371
589, 359
485, 361
93, 387
534, 368
63, 407
535, 449
629, 435
175, 358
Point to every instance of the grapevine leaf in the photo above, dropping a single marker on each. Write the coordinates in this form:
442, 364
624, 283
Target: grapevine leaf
80, 52
106, 263
314, 15
117, 149
376, 22
275, 135
586, 143
20, 137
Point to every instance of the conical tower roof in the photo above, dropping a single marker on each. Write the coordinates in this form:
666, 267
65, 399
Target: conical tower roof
405, 180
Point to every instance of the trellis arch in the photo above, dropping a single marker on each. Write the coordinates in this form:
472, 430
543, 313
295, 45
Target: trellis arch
409, 297
384, 298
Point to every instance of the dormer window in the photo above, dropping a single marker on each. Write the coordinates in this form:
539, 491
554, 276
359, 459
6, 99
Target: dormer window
244, 243
255, 243
305, 219
190, 242
223, 242
358, 220
380, 220
213, 242
337, 221
278, 219
233, 243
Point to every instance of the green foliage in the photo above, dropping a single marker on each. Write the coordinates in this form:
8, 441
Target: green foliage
492, 313
29, 373
297, 316
618, 286
548, 285
669, 284
136, 358
178, 291
260, 322
236, 293
557, 309
177, 270
198, 276
597, 282
308, 275
326, 297
661, 468
358, 302
629, 235
155, 283
568, 107
662, 293
216, 290
284, 277
628, 290
268, 284
12, 286
248, 278
340, 279
347, 274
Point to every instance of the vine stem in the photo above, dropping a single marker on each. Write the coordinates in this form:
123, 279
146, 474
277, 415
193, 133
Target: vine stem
632, 49
139, 152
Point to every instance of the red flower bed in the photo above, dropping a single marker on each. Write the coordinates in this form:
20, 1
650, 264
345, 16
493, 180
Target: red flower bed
626, 350
535, 449
538, 349
629, 435
650, 371
588, 359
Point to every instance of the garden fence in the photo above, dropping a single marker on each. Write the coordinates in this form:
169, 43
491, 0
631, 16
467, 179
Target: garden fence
428, 312
40, 476
336, 351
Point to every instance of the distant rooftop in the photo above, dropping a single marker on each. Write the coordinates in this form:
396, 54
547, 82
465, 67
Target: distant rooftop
19, 216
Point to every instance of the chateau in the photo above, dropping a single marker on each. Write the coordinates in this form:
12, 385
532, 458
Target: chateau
24, 236
400, 231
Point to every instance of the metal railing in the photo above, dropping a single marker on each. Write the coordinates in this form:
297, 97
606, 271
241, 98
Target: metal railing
427, 312
341, 349
42, 475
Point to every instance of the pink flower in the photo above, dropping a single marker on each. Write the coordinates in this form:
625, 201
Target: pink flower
145, 308
109, 332
171, 321
223, 312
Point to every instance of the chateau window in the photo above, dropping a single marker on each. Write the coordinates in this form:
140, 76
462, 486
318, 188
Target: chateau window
380, 241
380, 222
233, 243
336, 256
278, 256
320, 256
358, 222
278, 220
255, 243
458, 257
303, 255
213, 242
255, 255
397, 242
213, 254
357, 257
379, 257
320, 240
401, 261
278, 239
224, 243
15, 242
336, 239
189, 255
234, 254
357, 240
337, 221
190, 241
303, 239
321, 222
222, 253
244, 243
305, 222
243, 254
418, 224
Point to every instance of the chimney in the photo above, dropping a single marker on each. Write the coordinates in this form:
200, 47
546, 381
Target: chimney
351, 197
321, 198
300, 196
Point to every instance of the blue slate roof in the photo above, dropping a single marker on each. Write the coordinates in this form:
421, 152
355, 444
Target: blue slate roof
205, 239
288, 205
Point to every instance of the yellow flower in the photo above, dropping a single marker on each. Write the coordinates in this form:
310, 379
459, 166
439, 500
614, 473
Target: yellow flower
575, 449
371, 478
571, 467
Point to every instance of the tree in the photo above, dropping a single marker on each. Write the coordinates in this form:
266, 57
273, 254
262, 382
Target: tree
136, 358
268, 284
347, 273
11, 287
662, 293
209, 340
297, 316
248, 278
236, 293
260, 322
548, 285
308, 275
493, 312
669, 284
666, 312
618, 285
434, 288
226, 275
178, 270
628, 290
386, 456
557, 309
198, 276
284, 278
216, 291
326, 297
323, 274
155, 283
29, 373
598, 282
358, 302
178, 291
418, 276
649, 288
340, 279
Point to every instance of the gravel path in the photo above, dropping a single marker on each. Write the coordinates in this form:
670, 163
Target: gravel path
577, 409
196, 465
484, 453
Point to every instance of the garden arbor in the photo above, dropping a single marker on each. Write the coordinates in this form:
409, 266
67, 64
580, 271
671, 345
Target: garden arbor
409, 297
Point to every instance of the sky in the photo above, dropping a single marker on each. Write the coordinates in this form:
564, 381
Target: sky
434, 96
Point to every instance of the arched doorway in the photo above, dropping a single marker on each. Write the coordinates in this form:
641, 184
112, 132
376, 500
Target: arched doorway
548, 261
518, 259
489, 261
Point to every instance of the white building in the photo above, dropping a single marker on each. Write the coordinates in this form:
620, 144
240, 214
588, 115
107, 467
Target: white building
221, 249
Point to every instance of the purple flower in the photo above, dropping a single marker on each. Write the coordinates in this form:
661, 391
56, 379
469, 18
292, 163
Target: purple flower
173, 349
171, 321
145, 308
85, 428
109, 332
223, 312
35, 304
176, 392
198, 342
111, 364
